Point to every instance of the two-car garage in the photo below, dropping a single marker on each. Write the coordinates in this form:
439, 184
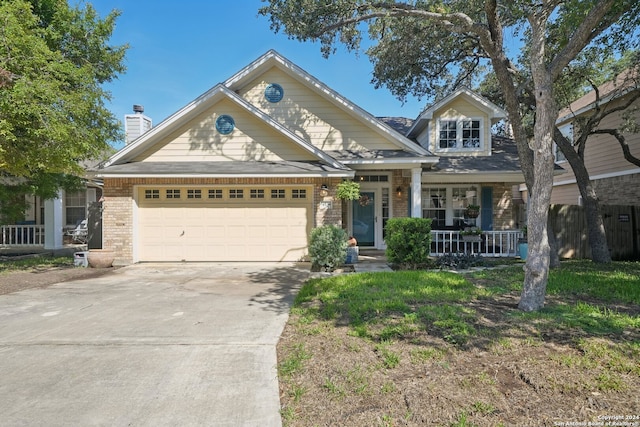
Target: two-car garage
218, 223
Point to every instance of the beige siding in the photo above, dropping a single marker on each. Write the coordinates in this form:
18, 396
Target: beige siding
312, 117
252, 139
457, 109
603, 153
565, 195
606, 166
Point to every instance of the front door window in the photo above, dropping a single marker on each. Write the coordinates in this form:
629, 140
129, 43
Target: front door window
364, 219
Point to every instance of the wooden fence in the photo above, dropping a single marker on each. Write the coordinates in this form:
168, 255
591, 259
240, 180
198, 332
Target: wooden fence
622, 225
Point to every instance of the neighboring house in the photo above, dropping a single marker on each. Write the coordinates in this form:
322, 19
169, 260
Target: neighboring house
246, 170
46, 221
616, 181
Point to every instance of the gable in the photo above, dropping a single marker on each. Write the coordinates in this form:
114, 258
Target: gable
457, 110
457, 125
314, 111
312, 116
251, 140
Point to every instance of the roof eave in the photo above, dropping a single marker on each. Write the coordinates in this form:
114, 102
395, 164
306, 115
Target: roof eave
337, 174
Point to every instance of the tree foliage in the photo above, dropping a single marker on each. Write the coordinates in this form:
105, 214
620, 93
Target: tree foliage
420, 47
54, 59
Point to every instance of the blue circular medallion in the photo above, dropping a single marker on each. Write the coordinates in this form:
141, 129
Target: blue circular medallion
225, 124
274, 93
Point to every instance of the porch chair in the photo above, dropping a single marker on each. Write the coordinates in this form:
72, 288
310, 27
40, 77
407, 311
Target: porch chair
79, 234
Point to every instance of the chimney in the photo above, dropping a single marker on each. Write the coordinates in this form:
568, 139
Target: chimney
135, 125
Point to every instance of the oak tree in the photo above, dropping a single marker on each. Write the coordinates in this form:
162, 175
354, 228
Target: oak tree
54, 60
418, 45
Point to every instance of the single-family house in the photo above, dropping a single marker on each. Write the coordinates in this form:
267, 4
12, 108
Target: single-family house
616, 180
49, 223
247, 169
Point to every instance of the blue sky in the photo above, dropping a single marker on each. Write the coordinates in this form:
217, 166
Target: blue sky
179, 50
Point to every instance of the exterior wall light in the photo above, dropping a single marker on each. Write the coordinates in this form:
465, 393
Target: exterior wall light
399, 191
324, 190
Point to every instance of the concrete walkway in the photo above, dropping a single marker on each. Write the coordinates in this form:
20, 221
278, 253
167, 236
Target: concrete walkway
371, 261
148, 345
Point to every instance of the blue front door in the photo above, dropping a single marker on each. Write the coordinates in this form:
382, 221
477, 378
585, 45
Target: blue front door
364, 219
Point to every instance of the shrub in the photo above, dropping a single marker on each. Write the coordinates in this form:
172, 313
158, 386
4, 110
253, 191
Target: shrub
327, 247
408, 242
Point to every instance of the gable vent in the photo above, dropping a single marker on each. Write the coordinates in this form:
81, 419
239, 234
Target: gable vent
274, 93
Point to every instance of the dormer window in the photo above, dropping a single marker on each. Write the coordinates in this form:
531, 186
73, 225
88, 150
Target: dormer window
460, 134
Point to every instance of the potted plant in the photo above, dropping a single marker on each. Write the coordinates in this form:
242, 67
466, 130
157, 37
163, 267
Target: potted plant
471, 234
348, 190
473, 211
523, 244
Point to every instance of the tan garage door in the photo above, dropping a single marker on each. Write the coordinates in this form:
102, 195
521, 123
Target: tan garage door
223, 224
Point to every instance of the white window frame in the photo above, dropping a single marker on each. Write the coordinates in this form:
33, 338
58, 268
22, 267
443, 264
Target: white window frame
566, 130
459, 130
451, 204
75, 200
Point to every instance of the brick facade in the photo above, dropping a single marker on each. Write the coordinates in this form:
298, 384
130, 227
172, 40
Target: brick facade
619, 190
118, 206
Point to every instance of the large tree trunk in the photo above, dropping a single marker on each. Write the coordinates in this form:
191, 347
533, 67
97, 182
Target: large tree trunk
597, 234
554, 258
536, 268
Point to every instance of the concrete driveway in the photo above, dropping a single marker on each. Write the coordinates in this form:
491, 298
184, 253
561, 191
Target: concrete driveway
148, 345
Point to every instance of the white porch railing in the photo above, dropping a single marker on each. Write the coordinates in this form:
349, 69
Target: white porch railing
22, 235
491, 244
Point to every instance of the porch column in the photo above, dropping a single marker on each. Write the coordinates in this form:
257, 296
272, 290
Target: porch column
416, 193
53, 222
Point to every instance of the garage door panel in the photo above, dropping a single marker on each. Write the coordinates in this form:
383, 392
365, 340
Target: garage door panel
239, 231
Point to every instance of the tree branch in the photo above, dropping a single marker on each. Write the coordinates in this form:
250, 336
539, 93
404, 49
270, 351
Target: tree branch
590, 27
623, 144
455, 22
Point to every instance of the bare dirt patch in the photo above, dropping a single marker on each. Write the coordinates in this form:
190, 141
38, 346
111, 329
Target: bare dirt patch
42, 277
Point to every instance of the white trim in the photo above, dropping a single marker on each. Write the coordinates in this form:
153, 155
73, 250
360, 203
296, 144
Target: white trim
265, 117
409, 161
459, 148
480, 177
346, 174
601, 176
135, 217
615, 94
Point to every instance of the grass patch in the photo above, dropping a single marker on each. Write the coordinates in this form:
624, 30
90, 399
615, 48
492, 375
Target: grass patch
35, 263
294, 362
615, 282
383, 306
585, 317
